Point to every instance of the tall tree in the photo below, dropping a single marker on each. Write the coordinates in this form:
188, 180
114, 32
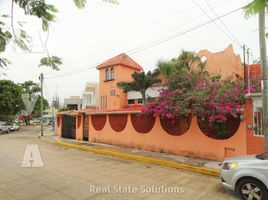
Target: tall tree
188, 65
31, 88
10, 100
141, 82
13, 31
253, 8
187, 61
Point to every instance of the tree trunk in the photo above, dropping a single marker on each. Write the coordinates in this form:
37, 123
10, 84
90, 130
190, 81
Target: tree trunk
26, 120
143, 93
264, 73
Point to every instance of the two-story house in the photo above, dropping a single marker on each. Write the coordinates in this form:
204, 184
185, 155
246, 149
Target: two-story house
114, 70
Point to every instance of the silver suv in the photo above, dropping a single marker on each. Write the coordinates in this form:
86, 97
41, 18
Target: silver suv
4, 127
247, 175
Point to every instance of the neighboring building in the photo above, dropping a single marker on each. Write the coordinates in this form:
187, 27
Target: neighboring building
49, 114
253, 79
90, 98
73, 103
111, 72
254, 72
226, 63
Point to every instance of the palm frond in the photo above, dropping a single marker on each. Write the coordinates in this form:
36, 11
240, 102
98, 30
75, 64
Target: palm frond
80, 3
254, 7
112, 1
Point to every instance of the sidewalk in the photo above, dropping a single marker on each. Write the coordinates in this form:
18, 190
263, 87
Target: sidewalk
169, 160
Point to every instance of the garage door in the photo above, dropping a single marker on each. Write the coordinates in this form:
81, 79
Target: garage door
68, 126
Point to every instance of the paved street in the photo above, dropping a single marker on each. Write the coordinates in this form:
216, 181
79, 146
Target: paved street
73, 174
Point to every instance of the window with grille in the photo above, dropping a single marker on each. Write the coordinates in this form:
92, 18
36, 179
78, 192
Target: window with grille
112, 93
258, 117
112, 74
106, 75
258, 121
131, 101
103, 102
140, 100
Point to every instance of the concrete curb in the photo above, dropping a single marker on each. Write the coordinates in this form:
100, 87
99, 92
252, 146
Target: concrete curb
166, 163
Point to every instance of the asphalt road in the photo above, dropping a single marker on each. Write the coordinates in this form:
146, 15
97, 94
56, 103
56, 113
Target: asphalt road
74, 174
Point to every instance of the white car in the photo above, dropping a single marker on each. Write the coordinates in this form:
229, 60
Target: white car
4, 127
247, 175
14, 127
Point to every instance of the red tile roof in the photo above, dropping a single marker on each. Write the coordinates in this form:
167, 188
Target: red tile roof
121, 59
255, 71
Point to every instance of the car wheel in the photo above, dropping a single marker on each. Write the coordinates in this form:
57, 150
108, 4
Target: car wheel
252, 189
8, 130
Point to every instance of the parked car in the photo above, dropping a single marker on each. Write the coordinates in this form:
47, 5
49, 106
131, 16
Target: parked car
14, 127
246, 175
36, 121
4, 127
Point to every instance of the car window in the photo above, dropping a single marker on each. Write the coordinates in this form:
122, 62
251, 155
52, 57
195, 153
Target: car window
263, 156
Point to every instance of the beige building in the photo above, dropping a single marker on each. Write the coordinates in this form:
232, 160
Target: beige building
73, 103
90, 98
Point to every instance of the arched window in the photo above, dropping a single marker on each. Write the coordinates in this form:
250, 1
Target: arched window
106, 75
112, 73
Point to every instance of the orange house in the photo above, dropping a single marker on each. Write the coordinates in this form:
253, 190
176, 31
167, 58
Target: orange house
117, 123
111, 72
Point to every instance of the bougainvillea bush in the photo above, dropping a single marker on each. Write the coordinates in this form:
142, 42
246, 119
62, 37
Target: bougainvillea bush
254, 87
210, 101
220, 99
177, 99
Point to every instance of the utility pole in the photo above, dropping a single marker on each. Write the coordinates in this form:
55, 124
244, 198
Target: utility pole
244, 61
41, 78
264, 73
248, 70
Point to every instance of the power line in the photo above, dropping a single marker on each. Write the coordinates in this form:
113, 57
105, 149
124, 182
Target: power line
230, 32
25, 63
136, 50
213, 20
131, 14
150, 44
157, 22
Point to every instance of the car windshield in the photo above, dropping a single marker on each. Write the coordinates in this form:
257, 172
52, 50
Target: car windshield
263, 156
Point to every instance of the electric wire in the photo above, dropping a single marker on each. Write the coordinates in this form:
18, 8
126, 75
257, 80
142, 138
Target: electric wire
225, 26
170, 28
213, 20
148, 45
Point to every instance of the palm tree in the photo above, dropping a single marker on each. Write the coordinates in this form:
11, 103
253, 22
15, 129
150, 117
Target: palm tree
178, 70
187, 61
141, 82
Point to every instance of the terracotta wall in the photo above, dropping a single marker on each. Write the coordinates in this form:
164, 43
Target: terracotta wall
255, 143
191, 143
121, 73
226, 63
79, 126
58, 125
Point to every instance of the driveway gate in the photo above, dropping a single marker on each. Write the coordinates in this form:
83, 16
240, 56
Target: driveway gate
68, 126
